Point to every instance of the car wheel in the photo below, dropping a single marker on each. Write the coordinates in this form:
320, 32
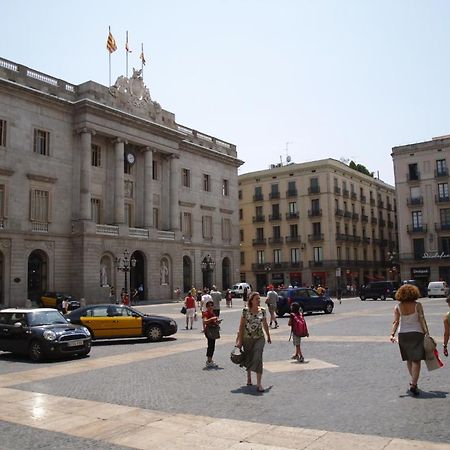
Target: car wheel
154, 333
362, 297
382, 297
35, 351
280, 313
328, 308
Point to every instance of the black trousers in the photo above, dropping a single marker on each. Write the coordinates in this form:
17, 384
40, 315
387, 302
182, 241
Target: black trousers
211, 348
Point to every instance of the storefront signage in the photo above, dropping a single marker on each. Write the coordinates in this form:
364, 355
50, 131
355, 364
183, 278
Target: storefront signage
420, 271
435, 255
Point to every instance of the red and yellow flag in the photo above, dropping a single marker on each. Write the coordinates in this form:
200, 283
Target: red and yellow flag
142, 55
127, 48
111, 43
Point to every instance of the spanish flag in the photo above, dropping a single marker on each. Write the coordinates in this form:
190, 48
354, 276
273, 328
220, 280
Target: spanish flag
111, 43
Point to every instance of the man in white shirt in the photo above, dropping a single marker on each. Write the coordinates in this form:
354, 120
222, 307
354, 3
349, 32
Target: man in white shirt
216, 298
271, 301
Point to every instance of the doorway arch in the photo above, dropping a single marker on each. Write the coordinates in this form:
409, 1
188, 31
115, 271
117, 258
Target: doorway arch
137, 275
226, 284
187, 274
37, 274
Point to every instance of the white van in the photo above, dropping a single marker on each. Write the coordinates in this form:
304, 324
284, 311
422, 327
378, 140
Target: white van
238, 289
437, 289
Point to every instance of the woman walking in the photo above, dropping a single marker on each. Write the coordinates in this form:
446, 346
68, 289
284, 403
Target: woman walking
446, 328
211, 327
252, 326
189, 304
411, 324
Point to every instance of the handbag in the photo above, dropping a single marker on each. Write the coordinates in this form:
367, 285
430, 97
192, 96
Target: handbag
212, 332
429, 345
183, 310
237, 356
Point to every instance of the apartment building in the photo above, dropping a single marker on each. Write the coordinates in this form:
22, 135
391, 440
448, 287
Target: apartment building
101, 187
319, 222
423, 208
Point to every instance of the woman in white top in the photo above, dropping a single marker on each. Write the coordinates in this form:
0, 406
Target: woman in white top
411, 324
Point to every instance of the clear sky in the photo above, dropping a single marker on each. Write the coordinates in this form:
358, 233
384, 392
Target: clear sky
333, 78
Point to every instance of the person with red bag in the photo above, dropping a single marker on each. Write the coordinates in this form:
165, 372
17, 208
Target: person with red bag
299, 329
189, 304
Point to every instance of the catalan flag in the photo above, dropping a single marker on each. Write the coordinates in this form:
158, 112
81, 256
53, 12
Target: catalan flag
142, 55
127, 48
111, 43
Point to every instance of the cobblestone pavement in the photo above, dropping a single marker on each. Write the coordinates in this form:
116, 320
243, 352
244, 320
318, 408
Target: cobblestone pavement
350, 393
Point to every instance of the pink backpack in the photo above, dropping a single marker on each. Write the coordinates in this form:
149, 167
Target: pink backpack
298, 324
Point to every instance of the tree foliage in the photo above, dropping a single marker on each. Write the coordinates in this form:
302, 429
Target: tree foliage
360, 168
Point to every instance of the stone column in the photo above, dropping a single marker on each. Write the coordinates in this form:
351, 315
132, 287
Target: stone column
175, 177
148, 194
119, 194
85, 173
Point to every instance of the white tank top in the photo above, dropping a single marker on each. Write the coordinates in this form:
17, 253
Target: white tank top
409, 322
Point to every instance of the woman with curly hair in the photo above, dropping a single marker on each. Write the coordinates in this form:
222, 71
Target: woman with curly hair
252, 326
411, 324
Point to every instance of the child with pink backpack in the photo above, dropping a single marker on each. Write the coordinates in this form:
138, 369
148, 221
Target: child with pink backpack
299, 329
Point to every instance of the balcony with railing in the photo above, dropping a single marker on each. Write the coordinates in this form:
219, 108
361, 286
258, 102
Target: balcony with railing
442, 198
339, 212
315, 237
382, 223
416, 228
258, 198
341, 237
353, 195
39, 227
261, 218
355, 216
275, 240
291, 193
259, 241
373, 220
413, 176
348, 214
296, 265
364, 218
414, 201
274, 195
314, 212
293, 239
363, 199
389, 206
442, 226
314, 190
366, 240
441, 173
292, 215
274, 217
109, 230
390, 224
138, 232
346, 193
380, 204
337, 190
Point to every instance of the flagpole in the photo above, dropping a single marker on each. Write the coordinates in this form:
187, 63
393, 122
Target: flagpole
109, 31
142, 60
126, 51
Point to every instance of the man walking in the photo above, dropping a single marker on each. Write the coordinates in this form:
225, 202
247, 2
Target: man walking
216, 298
271, 301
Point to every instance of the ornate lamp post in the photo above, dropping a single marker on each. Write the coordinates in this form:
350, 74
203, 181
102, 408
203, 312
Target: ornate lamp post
208, 265
392, 259
124, 264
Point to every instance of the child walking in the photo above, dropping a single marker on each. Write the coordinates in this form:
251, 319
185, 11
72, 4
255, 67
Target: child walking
299, 329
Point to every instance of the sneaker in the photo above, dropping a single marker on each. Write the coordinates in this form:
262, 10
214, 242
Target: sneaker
301, 359
186, 327
276, 324
414, 390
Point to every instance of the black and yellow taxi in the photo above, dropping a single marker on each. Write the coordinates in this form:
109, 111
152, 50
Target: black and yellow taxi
108, 321
54, 300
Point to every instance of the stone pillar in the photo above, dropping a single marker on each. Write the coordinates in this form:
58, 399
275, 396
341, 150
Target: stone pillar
85, 173
148, 194
119, 188
164, 204
175, 177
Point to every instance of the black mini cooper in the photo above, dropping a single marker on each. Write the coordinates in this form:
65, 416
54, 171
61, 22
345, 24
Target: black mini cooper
41, 333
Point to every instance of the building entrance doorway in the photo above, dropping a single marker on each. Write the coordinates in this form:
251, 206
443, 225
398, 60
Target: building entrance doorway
137, 276
37, 274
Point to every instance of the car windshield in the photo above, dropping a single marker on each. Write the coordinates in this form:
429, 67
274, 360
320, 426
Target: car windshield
46, 318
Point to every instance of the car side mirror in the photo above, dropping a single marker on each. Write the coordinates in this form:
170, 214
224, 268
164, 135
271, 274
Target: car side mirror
135, 315
68, 320
18, 324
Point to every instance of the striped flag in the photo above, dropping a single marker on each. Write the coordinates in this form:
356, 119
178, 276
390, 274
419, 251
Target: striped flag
142, 55
126, 45
111, 43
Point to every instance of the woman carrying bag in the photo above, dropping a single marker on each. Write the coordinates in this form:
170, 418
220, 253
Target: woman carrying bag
412, 327
212, 332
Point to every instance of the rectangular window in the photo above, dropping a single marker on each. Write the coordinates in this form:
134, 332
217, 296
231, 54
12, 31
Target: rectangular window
317, 228
318, 255
355, 254
260, 234
291, 186
445, 217
242, 258
96, 210
240, 194
418, 248
241, 235
40, 206
225, 188
260, 257
443, 191
315, 205
338, 253
2, 133
206, 182
226, 230
41, 142
445, 245
277, 256
275, 210
417, 219
207, 227
156, 218
293, 230
2, 201
186, 178
415, 192
295, 255
258, 211
276, 232
96, 155
441, 167
155, 170
292, 207
413, 171
241, 214
187, 225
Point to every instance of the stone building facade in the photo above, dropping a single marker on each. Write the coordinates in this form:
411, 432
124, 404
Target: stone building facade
319, 222
422, 181
87, 172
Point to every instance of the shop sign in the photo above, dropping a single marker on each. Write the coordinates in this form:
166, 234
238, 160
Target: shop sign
435, 255
420, 271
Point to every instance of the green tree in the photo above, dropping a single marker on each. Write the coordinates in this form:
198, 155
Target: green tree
360, 168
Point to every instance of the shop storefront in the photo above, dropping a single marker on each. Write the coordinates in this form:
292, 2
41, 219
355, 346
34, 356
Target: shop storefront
319, 278
295, 278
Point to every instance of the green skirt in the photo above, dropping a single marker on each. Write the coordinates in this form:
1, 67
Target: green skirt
253, 350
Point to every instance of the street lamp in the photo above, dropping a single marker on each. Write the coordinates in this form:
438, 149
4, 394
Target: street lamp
392, 258
208, 265
124, 264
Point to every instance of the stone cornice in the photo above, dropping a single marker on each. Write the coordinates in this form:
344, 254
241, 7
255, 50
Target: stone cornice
226, 211
186, 204
208, 208
41, 178
6, 172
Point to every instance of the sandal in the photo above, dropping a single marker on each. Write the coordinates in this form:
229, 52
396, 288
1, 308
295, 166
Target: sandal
414, 389
249, 384
260, 389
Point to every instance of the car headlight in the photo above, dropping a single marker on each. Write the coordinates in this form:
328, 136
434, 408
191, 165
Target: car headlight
49, 335
172, 323
88, 333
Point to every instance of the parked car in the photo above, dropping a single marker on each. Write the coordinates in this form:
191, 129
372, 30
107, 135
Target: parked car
54, 300
41, 333
437, 289
238, 289
423, 290
108, 321
308, 299
378, 290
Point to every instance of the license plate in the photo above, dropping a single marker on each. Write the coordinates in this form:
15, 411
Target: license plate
74, 343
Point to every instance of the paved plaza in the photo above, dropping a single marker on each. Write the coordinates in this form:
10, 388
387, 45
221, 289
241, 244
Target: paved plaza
350, 393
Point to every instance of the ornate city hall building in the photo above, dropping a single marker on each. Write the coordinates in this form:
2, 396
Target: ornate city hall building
100, 188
